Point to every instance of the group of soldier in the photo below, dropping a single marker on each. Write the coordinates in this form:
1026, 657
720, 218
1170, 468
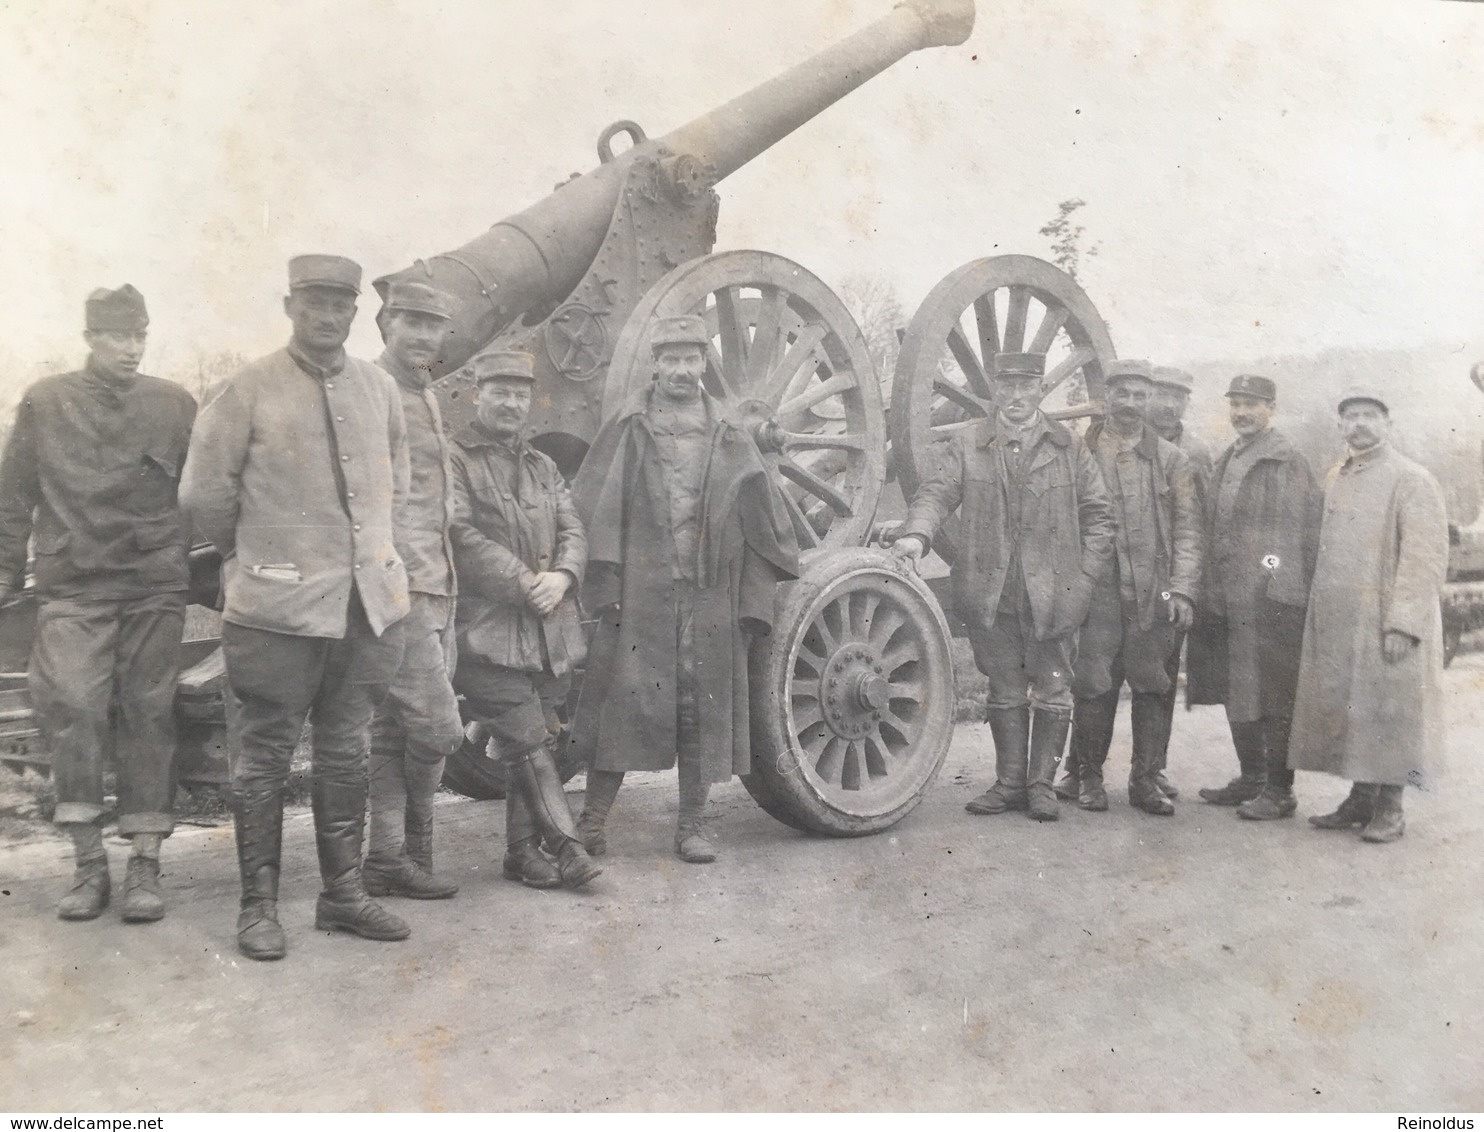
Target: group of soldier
375, 571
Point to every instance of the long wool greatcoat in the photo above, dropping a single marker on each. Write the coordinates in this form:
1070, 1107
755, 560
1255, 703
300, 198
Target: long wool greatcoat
1383, 554
626, 717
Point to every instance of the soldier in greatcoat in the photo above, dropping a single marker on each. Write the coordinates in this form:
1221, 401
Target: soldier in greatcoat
418, 726
1037, 542
686, 544
1262, 537
296, 470
521, 553
1141, 610
90, 471
1370, 690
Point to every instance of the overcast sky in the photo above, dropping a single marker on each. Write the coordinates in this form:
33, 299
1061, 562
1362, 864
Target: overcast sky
1262, 176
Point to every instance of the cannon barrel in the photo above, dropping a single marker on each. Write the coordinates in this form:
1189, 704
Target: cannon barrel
526, 264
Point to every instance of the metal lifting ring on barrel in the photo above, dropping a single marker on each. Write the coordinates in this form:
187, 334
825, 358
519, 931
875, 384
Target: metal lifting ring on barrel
853, 700
787, 360
941, 383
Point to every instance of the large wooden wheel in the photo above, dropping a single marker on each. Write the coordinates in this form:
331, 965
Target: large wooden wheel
1004, 303
787, 361
852, 698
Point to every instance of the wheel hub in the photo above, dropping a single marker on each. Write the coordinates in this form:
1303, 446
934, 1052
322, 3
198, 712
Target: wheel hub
854, 691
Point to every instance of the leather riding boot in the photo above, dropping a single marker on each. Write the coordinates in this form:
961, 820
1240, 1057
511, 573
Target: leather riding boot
259, 822
524, 860
423, 779
1011, 728
535, 774
691, 842
339, 821
1247, 739
1092, 735
1048, 740
1386, 823
1150, 727
1276, 800
91, 885
602, 789
1358, 808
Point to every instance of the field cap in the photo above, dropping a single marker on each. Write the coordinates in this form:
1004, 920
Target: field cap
682, 330
504, 363
121, 310
1019, 365
324, 271
1253, 385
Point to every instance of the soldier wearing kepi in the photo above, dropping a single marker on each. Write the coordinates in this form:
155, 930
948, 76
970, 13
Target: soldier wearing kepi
1370, 693
1037, 542
90, 470
417, 727
297, 469
1141, 610
521, 553
687, 542
1263, 518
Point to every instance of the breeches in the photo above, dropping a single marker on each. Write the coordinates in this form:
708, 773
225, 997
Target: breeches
1112, 648
518, 707
420, 715
102, 680
279, 680
1021, 669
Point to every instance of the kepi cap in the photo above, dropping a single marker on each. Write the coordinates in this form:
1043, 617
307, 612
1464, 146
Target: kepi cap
324, 271
1253, 385
1175, 378
1125, 369
1019, 365
410, 295
503, 363
121, 310
682, 330
1363, 393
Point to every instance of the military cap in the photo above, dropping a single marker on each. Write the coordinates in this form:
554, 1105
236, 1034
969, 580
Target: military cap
1363, 393
503, 363
1019, 365
410, 295
1175, 378
1253, 385
324, 271
683, 330
1126, 368
116, 310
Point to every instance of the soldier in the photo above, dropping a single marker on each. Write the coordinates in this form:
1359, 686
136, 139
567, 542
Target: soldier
418, 725
1370, 692
1140, 611
298, 467
91, 470
1262, 535
1167, 405
687, 539
1038, 540
521, 553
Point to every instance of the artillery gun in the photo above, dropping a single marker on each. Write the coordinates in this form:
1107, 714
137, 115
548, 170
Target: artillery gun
853, 699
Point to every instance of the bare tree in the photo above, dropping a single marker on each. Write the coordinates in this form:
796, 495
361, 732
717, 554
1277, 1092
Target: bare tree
1067, 236
874, 303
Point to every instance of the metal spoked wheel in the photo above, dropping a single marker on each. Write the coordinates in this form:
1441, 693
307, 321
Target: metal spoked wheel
941, 383
853, 703
786, 360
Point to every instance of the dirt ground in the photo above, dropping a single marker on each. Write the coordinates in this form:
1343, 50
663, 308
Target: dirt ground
1112, 961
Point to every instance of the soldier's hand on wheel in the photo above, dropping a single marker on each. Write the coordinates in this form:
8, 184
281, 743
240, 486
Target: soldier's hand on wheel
1182, 612
1397, 646
548, 591
910, 549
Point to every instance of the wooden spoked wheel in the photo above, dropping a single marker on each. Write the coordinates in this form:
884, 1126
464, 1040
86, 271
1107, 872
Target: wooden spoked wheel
787, 361
853, 698
1007, 303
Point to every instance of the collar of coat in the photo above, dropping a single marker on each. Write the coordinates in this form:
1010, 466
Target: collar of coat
419, 382
1054, 431
1271, 445
312, 367
1147, 447
471, 436
638, 406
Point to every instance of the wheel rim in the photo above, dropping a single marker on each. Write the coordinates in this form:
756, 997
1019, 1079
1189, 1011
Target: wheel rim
868, 693
1010, 303
787, 361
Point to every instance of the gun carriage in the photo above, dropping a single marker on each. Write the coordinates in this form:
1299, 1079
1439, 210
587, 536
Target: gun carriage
854, 693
